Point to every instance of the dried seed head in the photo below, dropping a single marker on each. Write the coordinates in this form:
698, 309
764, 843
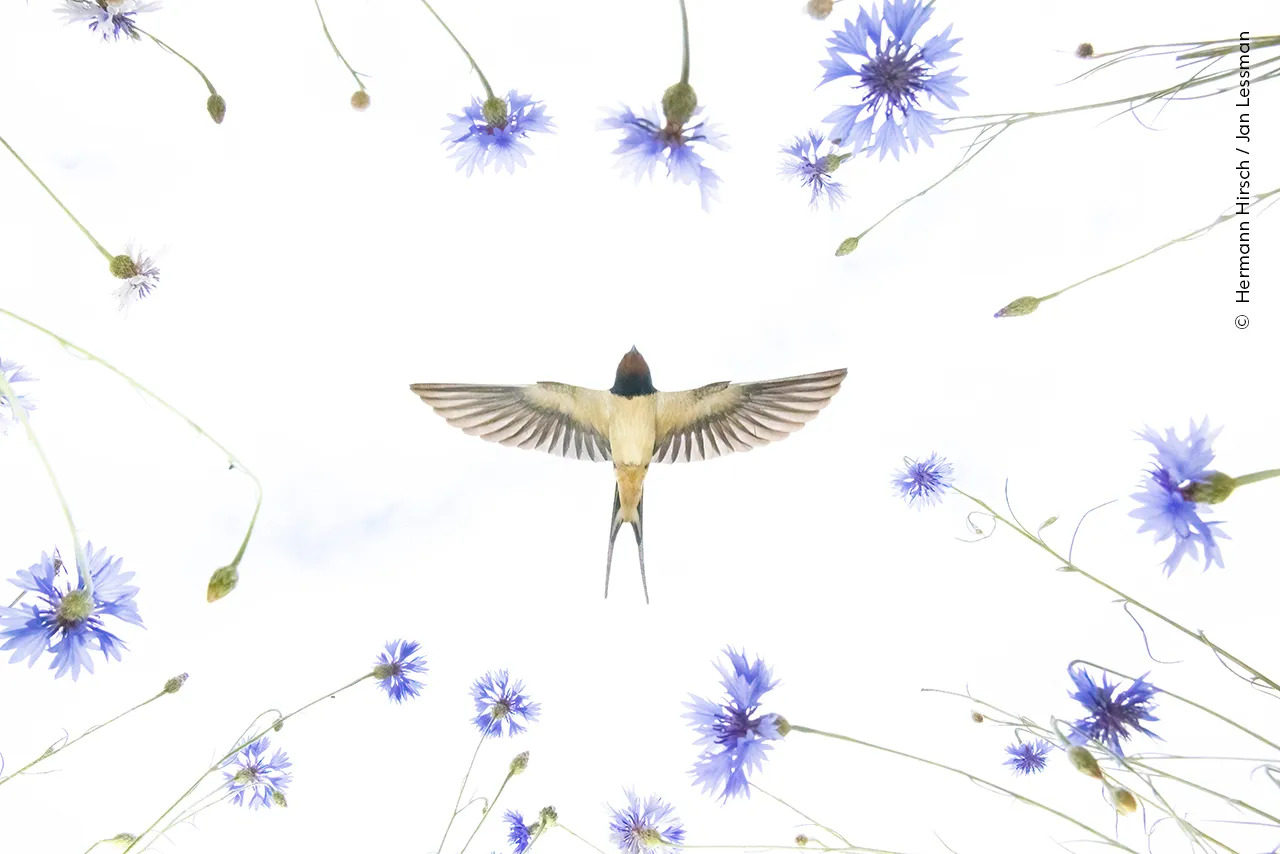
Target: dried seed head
819, 9
1084, 50
360, 100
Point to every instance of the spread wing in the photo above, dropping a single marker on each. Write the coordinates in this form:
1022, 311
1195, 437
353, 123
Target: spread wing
721, 418
560, 419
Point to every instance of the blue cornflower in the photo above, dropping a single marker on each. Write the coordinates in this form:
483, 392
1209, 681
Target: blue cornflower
256, 776
501, 702
1165, 509
893, 73
109, 18
393, 667
815, 170
645, 827
1028, 757
921, 484
733, 738
69, 622
1113, 717
647, 142
519, 834
492, 131
13, 374
139, 279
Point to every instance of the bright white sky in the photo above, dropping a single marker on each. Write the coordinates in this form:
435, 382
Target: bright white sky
316, 261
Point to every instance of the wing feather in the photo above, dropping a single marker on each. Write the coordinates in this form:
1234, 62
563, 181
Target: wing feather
564, 420
720, 418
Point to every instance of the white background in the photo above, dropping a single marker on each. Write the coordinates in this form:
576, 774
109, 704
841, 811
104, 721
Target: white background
317, 261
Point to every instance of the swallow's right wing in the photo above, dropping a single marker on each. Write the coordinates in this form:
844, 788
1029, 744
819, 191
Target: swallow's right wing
564, 420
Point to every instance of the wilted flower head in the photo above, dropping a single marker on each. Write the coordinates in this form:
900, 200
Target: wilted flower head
502, 705
922, 483
393, 667
13, 374
1027, 757
110, 19
251, 774
1164, 506
814, 169
140, 275
892, 73
69, 621
493, 131
733, 738
645, 827
1112, 716
647, 142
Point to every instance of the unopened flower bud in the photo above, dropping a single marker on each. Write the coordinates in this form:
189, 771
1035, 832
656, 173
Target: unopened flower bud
222, 582
175, 684
217, 107
678, 104
494, 111
802, 840
278, 725
819, 9
123, 839
977, 717
1216, 489
1084, 50
520, 763
277, 798
1019, 307
846, 246
547, 819
1084, 762
1124, 801
122, 267
360, 100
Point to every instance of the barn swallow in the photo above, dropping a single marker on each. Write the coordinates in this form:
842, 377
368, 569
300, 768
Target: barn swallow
633, 424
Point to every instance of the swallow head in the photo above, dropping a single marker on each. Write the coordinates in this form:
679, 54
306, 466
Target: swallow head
633, 378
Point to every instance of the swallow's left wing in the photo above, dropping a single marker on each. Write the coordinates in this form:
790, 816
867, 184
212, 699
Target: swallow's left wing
723, 417
564, 420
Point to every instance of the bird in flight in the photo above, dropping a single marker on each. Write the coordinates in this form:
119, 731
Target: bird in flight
633, 424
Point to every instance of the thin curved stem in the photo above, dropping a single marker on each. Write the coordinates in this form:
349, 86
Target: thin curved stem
488, 809
240, 746
812, 821
972, 777
49, 754
684, 32
208, 83
586, 842
54, 196
82, 565
461, 789
334, 45
484, 81
231, 458
1068, 566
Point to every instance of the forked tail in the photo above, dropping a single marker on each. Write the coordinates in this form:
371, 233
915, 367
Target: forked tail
615, 525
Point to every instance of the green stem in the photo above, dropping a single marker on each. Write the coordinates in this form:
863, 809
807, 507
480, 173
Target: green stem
241, 746
52, 195
1191, 235
1068, 566
586, 842
207, 82
6, 391
453, 815
488, 808
49, 754
971, 777
684, 31
812, 821
231, 458
333, 45
1243, 480
484, 81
